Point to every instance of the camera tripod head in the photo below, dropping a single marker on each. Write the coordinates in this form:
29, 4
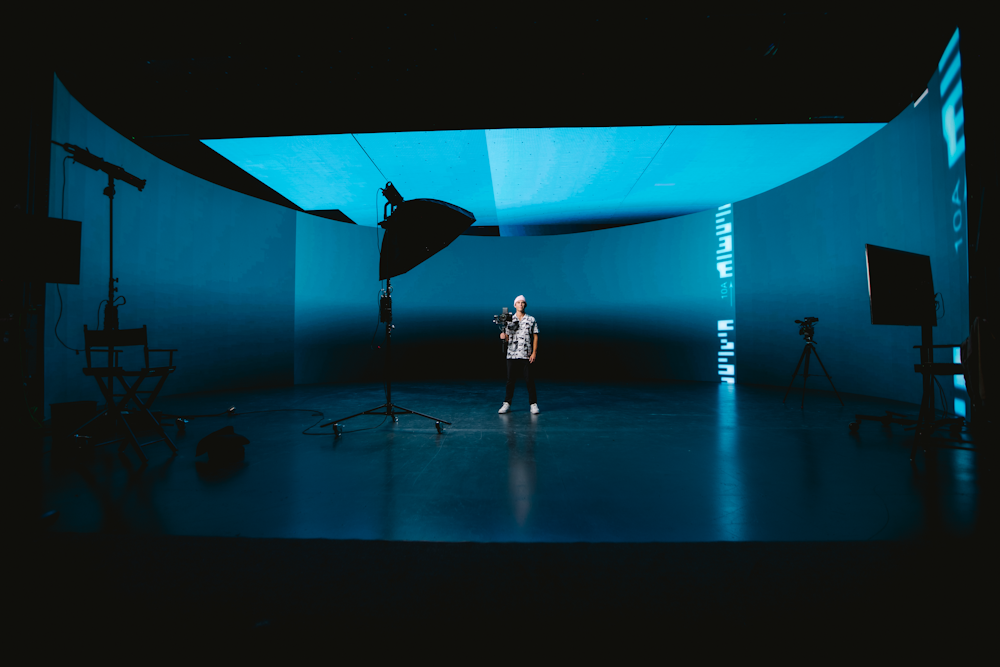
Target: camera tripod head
807, 328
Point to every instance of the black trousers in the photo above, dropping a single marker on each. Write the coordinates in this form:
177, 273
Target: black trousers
522, 367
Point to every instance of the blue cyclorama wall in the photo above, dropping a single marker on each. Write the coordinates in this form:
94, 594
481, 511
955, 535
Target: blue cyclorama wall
653, 301
254, 294
801, 252
639, 302
208, 270
336, 301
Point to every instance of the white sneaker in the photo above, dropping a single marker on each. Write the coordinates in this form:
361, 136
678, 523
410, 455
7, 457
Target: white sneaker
504, 408
534, 408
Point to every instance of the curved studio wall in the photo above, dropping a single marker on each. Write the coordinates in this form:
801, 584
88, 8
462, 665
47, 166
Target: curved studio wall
646, 301
801, 252
638, 302
208, 270
254, 294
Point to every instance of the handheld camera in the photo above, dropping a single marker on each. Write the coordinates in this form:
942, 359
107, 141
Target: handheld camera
503, 319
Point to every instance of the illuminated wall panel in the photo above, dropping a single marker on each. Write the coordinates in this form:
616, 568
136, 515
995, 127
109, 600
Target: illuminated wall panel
256, 294
544, 178
208, 270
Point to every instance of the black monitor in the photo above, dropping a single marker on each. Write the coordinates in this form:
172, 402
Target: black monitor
900, 287
41, 249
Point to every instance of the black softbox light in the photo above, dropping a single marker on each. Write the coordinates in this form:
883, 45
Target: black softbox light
416, 230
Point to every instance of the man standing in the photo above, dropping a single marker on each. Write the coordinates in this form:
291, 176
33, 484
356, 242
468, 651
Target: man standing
522, 349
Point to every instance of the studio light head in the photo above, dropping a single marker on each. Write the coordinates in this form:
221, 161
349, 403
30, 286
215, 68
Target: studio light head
392, 194
416, 230
88, 159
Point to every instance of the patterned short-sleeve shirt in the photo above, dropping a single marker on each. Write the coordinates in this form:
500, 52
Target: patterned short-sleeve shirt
519, 339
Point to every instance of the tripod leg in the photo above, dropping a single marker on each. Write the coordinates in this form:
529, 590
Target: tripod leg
805, 376
400, 410
828, 377
801, 357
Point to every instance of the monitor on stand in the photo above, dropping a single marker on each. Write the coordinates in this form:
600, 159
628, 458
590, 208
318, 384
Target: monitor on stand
901, 293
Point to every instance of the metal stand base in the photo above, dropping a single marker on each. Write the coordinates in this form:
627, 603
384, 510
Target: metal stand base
389, 410
923, 431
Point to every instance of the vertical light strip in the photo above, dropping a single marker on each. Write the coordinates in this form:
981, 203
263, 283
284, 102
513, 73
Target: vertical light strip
959, 381
947, 50
724, 260
953, 108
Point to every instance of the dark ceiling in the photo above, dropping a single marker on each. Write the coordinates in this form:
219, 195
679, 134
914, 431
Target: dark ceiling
166, 86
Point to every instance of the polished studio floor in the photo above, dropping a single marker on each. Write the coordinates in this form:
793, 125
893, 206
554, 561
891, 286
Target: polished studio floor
666, 462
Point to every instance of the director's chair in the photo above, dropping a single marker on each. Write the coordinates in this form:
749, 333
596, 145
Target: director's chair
130, 404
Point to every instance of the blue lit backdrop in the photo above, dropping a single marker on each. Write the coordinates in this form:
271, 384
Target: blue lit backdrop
801, 252
637, 302
210, 271
255, 294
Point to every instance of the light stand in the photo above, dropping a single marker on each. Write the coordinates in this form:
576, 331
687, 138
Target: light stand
387, 409
409, 245
88, 159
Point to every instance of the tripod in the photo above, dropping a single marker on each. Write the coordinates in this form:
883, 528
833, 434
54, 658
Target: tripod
807, 351
387, 408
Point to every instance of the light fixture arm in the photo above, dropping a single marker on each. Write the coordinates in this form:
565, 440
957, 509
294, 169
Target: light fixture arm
88, 159
393, 199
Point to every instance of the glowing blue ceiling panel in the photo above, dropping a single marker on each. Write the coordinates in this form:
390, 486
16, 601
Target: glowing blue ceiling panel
544, 176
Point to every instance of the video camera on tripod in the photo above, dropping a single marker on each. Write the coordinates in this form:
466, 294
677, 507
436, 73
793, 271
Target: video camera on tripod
807, 328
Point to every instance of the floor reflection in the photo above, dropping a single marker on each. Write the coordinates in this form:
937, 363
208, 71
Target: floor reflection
521, 468
127, 497
710, 462
729, 490
965, 484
